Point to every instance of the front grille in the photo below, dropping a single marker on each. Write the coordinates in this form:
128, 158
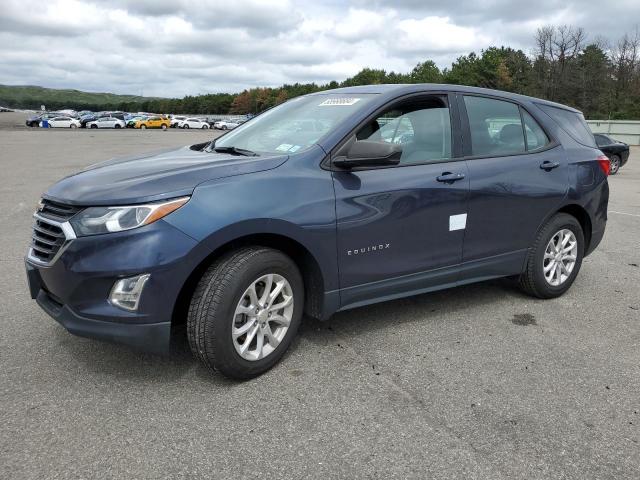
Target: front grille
46, 241
57, 211
51, 231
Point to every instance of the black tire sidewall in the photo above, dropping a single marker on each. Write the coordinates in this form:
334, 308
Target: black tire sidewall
227, 358
557, 223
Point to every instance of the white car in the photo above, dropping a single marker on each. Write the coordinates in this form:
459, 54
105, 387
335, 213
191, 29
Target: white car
175, 120
193, 123
226, 124
107, 122
62, 122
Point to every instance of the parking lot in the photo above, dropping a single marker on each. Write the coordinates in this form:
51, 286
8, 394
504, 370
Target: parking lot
474, 382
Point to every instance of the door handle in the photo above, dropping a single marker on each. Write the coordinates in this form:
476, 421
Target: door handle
448, 177
548, 166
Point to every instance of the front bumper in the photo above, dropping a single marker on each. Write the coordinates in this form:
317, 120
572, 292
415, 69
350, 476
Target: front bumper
151, 337
75, 289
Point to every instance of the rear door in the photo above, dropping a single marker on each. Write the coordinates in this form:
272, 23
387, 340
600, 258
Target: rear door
400, 229
518, 176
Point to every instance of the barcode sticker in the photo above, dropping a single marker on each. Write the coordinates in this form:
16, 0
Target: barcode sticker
340, 101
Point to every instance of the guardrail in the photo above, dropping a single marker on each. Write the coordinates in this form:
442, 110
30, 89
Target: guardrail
627, 131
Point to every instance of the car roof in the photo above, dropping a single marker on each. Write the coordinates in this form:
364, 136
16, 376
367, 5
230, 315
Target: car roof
405, 89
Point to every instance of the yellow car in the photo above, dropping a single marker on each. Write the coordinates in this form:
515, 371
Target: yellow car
153, 122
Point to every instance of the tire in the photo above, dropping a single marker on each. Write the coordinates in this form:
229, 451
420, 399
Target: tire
163, 126
143, 127
224, 127
117, 125
533, 280
205, 127
213, 311
614, 160
94, 126
73, 125
186, 126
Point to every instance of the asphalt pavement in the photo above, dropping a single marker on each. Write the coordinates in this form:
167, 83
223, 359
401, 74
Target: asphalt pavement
479, 381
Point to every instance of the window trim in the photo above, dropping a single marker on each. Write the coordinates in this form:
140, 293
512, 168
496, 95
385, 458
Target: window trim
465, 128
454, 118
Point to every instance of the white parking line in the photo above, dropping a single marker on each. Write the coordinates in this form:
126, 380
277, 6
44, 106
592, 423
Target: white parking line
624, 213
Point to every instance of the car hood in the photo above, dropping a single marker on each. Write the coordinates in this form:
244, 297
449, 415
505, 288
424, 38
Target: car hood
154, 176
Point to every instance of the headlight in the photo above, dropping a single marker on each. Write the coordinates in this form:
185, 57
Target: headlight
96, 220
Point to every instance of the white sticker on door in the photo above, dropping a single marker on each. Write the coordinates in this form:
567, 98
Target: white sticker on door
457, 222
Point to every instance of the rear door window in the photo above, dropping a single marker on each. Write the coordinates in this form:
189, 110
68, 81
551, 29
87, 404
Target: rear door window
496, 127
571, 122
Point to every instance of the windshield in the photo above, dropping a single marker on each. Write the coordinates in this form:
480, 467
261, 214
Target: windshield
295, 125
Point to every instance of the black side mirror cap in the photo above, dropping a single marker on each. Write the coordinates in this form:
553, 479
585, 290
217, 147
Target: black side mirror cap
370, 153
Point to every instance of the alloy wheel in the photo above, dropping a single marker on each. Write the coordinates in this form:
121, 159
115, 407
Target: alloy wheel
560, 257
262, 317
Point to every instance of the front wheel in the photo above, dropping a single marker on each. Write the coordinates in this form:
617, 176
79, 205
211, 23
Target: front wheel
204, 127
555, 258
185, 125
143, 127
117, 125
73, 125
164, 126
94, 126
245, 311
614, 161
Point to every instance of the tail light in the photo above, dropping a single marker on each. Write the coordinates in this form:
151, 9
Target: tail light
605, 164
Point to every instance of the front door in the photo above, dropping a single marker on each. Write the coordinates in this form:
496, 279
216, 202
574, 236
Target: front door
401, 229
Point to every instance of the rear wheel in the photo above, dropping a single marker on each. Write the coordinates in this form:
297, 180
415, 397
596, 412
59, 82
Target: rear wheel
555, 258
245, 311
614, 160
117, 125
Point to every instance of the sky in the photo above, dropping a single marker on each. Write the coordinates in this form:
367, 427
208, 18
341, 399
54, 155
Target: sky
172, 48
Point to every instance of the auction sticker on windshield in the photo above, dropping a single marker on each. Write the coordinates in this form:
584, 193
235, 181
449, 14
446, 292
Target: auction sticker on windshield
340, 101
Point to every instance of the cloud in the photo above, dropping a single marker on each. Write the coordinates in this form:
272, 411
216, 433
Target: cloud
179, 47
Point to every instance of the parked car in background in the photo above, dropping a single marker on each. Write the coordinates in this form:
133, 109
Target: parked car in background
35, 120
107, 122
226, 124
234, 239
176, 119
90, 117
131, 121
618, 152
193, 123
154, 121
61, 122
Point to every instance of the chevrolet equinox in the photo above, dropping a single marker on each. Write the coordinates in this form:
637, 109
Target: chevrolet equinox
327, 202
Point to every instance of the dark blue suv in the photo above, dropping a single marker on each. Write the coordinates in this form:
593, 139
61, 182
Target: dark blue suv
327, 202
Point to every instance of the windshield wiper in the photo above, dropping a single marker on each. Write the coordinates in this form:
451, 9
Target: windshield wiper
235, 150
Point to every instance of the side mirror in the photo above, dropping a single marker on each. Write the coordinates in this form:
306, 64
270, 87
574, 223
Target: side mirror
370, 153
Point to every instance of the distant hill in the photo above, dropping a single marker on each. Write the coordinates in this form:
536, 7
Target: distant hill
27, 96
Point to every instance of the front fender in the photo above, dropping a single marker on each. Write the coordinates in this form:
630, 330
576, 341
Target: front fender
295, 200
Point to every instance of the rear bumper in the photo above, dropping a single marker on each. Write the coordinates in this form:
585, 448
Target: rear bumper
624, 156
151, 337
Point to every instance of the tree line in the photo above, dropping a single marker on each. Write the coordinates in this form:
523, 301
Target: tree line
598, 77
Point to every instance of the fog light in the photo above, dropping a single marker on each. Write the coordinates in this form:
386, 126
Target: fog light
126, 292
